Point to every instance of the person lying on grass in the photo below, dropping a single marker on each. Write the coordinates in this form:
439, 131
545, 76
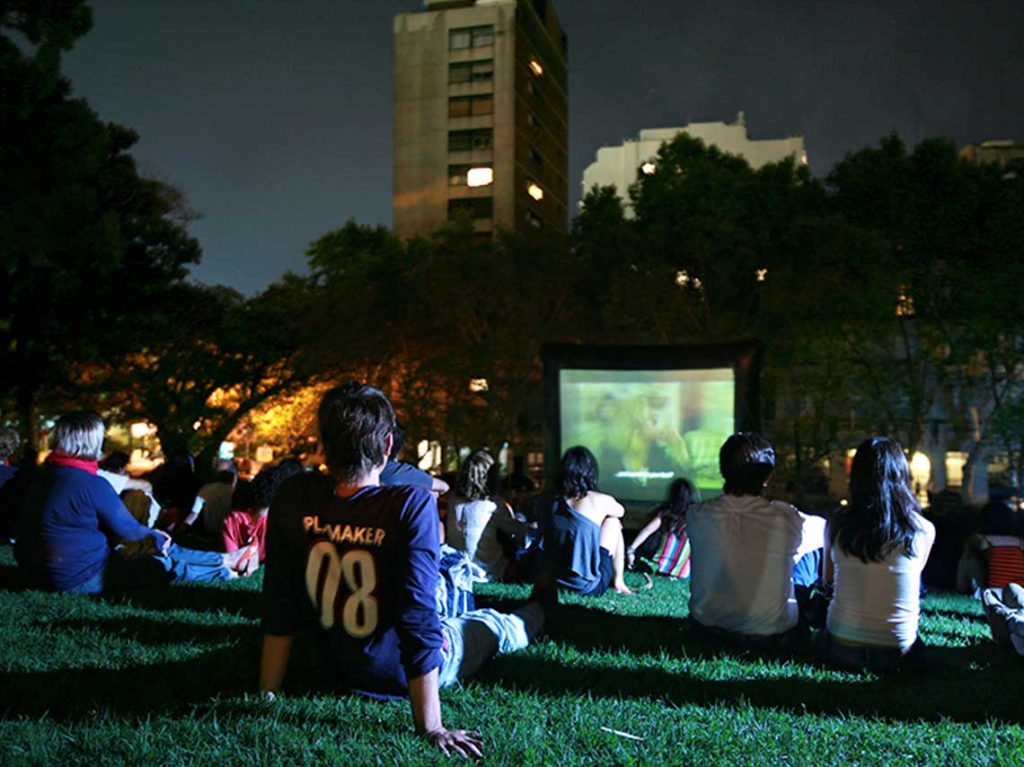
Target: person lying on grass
361, 561
70, 520
875, 550
581, 546
743, 551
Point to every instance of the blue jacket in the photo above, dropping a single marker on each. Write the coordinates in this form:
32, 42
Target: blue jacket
68, 522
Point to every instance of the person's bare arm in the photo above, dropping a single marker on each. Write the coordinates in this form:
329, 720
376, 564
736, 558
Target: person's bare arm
274, 662
426, 715
438, 486
645, 532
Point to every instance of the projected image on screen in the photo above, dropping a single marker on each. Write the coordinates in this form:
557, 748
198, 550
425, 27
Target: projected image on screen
649, 427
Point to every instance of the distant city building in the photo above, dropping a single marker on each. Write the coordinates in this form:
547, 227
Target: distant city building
999, 153
481, 117
618, 165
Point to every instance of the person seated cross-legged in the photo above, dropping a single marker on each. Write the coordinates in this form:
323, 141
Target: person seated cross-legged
743, 551
361, 561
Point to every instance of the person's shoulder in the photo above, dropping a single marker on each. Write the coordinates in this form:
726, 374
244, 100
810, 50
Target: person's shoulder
927, 526
307, 485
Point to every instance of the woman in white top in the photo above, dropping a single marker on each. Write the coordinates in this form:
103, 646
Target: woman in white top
875, 550
478, 522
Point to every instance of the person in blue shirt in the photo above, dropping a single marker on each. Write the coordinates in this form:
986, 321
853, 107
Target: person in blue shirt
70, 519
398, 472
361, 561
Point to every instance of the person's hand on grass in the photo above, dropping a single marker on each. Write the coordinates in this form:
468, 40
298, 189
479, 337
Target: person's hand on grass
465, 743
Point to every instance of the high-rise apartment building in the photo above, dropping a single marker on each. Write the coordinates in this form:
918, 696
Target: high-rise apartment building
481, 117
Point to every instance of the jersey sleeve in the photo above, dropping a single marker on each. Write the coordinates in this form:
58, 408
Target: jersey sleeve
417, 621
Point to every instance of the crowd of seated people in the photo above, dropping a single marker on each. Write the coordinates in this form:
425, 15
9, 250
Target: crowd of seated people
357, 558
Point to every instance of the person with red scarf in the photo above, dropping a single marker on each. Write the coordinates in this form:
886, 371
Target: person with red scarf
70, 520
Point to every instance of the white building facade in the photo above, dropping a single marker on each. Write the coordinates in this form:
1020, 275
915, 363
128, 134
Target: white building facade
618, 165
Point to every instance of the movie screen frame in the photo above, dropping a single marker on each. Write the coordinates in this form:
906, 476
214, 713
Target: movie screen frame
743, 358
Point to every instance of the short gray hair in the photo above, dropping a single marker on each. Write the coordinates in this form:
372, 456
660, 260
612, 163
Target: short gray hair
9, 441
79, 435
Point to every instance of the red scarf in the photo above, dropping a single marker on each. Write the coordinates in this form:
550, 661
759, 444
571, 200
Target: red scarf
59, 459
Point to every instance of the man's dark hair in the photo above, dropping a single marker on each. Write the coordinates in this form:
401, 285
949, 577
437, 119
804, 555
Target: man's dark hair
115, 462
397, 441
746, 460
355, 420
578, 472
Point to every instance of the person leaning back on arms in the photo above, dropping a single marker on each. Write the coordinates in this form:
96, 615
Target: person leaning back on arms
362, 561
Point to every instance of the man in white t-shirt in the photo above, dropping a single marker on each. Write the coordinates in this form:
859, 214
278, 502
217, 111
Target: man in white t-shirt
744, 548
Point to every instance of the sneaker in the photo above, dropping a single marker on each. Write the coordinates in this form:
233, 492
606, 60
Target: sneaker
997, 613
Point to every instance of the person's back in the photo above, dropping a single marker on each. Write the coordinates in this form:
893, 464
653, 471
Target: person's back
572, 547
59, 541
743, 548
380, 548
741, 564
877, 603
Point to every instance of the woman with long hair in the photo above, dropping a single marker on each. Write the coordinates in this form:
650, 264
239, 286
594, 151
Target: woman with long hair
479, 522
875, 550
670, 549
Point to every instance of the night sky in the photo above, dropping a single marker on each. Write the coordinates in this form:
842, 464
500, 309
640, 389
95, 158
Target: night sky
275, 118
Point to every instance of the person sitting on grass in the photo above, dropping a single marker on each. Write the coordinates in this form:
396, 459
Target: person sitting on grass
479, 523
581, 545
994, 557
876, 549
70, 520
743, 550
670, 550
361, 561
398, 472
243, 527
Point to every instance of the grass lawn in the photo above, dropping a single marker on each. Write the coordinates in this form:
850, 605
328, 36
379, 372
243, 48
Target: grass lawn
166, 677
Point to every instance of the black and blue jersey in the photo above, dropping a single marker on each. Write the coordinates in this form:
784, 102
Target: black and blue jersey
365, 569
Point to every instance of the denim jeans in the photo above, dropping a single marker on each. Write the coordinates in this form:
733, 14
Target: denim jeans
475, 636
178, 565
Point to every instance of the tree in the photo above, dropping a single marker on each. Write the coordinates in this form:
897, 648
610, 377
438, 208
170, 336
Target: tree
88, 248
212, 359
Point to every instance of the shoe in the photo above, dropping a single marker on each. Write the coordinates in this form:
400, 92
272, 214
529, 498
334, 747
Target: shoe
996, 613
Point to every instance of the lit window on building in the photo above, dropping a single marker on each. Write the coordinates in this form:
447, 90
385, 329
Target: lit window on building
470, 175
533, 219
482, 176
536, 68
535, 191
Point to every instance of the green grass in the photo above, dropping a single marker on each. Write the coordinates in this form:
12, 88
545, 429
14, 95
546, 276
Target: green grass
166, 677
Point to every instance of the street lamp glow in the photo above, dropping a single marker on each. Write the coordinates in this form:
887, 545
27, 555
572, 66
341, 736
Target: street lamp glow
535, 191
648, 168
477, 385
479, 176
761, 275
536, 68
